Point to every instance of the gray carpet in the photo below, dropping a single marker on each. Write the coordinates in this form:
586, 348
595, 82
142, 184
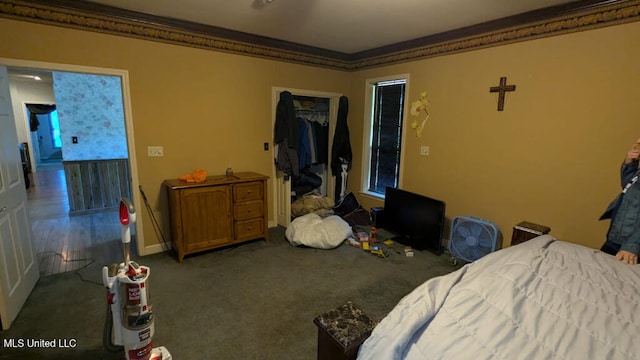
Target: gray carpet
253, 301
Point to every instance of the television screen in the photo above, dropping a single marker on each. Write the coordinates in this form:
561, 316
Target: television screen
417, 220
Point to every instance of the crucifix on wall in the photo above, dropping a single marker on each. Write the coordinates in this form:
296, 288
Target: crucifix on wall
502, 90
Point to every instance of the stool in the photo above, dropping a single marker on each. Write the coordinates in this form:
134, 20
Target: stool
525, 230
341, 331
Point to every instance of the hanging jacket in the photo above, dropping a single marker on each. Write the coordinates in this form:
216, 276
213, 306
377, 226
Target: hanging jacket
286, 126
285, 135
341, 147
304, 145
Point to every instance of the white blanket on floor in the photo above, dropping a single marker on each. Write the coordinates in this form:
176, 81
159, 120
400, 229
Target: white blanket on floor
313, 231
542, 299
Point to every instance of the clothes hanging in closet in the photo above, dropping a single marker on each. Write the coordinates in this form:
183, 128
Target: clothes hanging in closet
313, 142
286, 136
341, 155
322, 142
306, 144
341, 147
306, 155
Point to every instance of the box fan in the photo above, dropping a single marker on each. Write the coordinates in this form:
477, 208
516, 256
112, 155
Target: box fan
472, 238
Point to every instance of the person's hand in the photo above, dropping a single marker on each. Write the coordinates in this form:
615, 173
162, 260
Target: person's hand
634, 153
627, 257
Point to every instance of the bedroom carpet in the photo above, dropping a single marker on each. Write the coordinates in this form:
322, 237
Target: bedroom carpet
252, 301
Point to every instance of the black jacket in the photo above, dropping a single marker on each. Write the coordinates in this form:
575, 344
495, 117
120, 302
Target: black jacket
285, 135
341, 148
286, 126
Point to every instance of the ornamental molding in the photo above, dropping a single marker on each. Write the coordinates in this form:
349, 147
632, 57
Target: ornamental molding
609, 16
619, 13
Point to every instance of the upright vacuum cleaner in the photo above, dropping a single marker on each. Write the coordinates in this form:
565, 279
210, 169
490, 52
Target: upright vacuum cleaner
129, 322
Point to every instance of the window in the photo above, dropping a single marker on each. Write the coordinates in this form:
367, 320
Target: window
55, 129
386, 111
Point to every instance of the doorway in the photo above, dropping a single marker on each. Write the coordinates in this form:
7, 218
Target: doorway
50, 200
68, 243
46, 143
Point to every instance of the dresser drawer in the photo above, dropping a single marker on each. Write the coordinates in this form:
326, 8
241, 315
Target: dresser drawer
247, 210
249, 229
248, 191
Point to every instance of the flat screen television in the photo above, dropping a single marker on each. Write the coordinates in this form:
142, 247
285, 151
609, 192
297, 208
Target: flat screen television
417, 220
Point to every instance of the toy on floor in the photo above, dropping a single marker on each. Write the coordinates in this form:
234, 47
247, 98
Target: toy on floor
376, 250
129, 322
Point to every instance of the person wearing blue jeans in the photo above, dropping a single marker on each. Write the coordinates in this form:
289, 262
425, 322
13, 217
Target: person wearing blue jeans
623, 236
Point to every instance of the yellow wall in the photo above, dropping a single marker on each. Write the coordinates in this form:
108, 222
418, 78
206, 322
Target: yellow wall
209, 110
552, 157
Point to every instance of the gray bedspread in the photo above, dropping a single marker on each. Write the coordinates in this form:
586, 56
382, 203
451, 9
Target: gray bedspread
542, 299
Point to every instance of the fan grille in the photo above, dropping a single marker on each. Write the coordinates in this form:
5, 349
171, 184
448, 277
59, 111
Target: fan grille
472, 238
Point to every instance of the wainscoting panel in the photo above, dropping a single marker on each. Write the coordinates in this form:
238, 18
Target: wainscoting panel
96, 185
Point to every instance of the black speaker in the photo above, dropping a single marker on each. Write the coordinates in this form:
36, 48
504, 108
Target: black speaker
377, 217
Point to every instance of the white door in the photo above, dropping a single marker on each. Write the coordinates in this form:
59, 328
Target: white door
18, 265
282, 187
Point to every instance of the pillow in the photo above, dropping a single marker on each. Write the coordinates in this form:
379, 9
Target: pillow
313, 231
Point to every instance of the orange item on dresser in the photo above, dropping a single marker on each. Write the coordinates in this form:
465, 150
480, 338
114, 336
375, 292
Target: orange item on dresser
198, 175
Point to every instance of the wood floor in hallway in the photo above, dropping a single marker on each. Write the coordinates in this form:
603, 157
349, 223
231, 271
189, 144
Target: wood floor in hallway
63, 242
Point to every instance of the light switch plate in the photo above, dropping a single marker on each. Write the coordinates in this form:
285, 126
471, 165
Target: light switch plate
155, 151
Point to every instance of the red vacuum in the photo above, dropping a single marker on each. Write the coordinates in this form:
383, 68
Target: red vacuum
129, 322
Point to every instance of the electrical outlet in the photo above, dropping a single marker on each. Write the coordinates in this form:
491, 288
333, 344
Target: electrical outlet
424, 150
155, 151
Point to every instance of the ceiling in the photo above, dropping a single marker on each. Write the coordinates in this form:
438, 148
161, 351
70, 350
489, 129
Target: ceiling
339, 34
22, 74
343, 26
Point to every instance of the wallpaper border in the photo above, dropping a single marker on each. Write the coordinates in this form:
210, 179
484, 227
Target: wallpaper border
587, 20
615, 14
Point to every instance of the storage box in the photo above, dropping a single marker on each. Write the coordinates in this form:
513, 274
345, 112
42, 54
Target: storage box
377, 216
362, 236
525, 230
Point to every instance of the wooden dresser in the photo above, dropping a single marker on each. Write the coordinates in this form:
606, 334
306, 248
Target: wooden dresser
217, 212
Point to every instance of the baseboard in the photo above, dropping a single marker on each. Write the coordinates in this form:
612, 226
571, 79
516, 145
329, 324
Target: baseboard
154, 249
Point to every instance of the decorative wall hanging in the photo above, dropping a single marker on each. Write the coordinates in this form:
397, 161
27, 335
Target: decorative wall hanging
502, 91
417, 107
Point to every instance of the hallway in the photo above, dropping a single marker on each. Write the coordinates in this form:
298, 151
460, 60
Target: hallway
66, 243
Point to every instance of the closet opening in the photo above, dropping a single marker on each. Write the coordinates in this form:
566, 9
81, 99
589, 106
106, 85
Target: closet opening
316, 114
312, 115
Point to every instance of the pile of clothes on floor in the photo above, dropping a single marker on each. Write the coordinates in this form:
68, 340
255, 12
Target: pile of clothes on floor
322, 224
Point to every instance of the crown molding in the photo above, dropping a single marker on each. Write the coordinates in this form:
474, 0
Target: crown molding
589, 17
82, 15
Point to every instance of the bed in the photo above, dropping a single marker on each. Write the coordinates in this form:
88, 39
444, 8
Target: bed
542, 299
